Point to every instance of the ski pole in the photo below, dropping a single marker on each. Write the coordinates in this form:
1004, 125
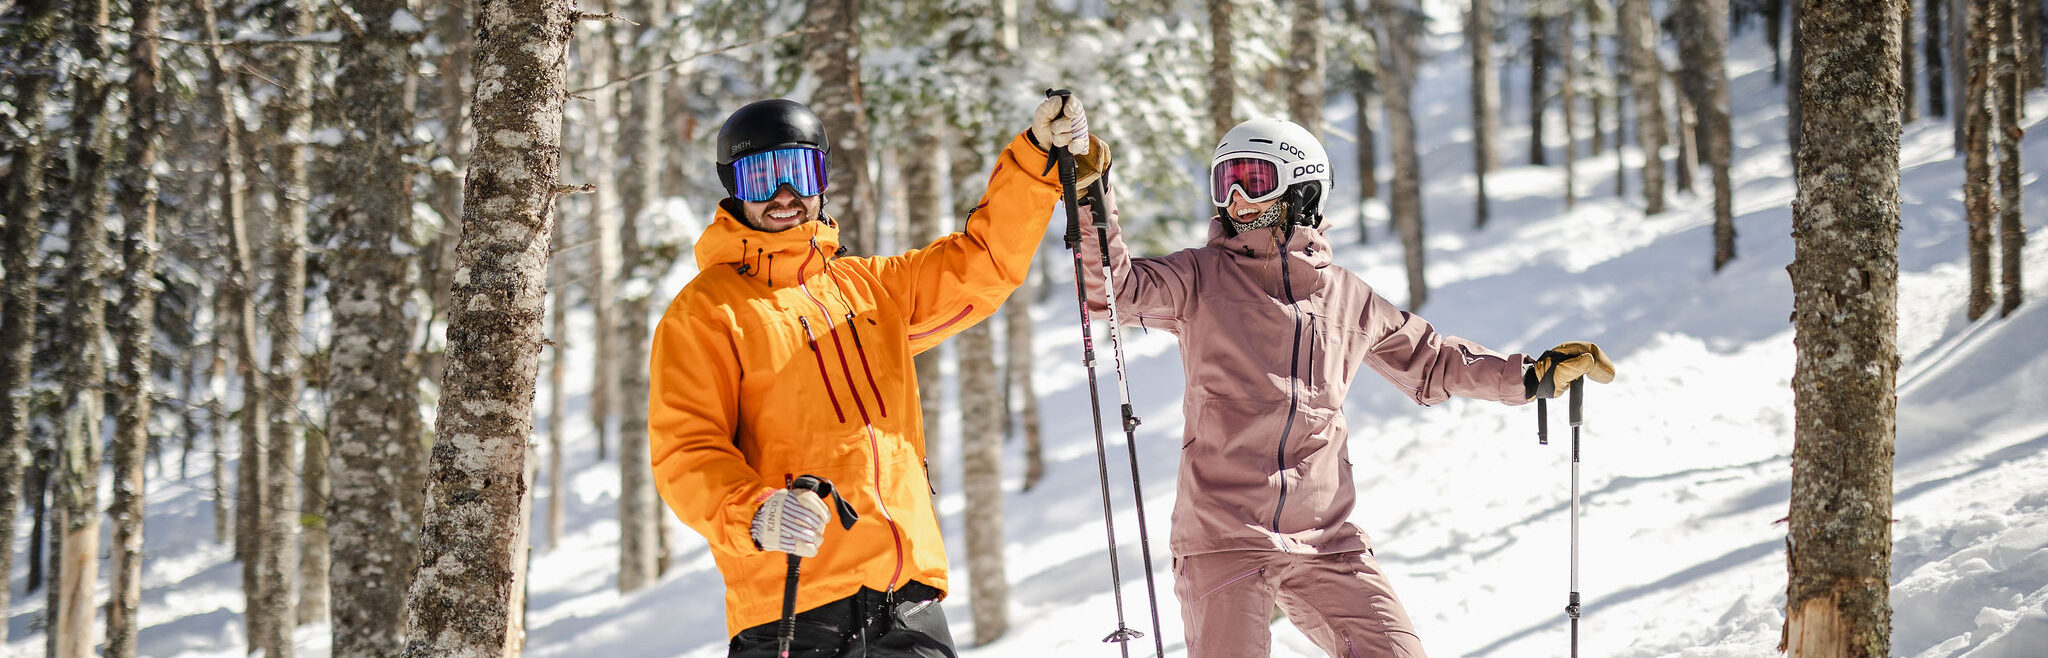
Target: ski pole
823, 488
1064, 159
1099, 206
1571, 607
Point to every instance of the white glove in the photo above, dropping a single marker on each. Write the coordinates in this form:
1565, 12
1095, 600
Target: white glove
1051, 127
792, 522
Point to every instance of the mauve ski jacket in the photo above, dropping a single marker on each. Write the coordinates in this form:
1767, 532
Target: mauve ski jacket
1269, 359
780, 360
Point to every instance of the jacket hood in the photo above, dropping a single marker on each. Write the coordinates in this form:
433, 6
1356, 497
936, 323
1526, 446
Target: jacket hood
775, 258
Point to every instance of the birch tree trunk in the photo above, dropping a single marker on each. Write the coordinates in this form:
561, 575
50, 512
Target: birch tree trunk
598, 56
1222, 67
1702, 30
925, 175
77, 476
835, 51
1018, 363
1845, 316
981, 475
558, 378
288, 116
1909, 108
1567, 95
460, 603
1485, 104
1399, 20
640, 142
27, 43
373, 420
1639, 36
2011, 84
1686, 133
1979, 207
138, 198
1305, 65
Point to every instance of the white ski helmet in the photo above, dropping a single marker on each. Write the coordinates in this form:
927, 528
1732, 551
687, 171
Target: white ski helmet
1299, 165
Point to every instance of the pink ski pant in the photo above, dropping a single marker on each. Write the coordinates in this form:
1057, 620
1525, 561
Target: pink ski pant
1341, 601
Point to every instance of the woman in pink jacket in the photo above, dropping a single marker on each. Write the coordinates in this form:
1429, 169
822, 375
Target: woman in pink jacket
1271, 334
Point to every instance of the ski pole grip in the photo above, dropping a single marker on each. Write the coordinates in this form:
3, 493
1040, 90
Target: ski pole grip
1578, 401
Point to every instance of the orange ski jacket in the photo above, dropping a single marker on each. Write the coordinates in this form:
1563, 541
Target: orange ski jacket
780, 360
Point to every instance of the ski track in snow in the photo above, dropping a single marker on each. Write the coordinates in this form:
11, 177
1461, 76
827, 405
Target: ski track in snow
1686, 459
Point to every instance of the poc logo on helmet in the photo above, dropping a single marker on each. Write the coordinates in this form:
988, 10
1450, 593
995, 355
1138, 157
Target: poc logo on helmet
1304, 170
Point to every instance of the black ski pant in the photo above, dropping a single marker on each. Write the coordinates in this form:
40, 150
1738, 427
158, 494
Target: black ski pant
869, 624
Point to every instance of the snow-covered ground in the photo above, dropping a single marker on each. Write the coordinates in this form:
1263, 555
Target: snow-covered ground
1687, 454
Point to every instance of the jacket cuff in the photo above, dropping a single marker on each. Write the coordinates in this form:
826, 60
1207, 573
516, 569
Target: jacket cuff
740, 532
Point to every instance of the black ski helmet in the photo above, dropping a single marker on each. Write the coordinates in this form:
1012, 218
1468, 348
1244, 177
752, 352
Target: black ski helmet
765, 126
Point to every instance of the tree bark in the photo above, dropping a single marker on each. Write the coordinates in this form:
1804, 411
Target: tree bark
1646, 72
640, 517
839, 102
598, 56
78, 459
1937, 91
2011, 230
1305, 65
1485, 105
1019, 361
288, 115
1909, 108
1980, 209
1399, 20
558, 378
27, 43
2032, 56
1686, 133
1845, 318
373, 419
452, 104
981, 476
1222, 70
1702, 27
138, 199
460, 603
1774, 28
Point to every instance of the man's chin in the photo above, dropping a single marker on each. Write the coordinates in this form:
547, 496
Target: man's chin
767, 225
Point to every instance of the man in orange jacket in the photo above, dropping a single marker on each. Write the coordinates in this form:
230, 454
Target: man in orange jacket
782, 359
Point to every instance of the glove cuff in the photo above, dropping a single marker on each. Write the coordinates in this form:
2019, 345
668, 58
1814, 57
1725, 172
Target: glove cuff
1093, 165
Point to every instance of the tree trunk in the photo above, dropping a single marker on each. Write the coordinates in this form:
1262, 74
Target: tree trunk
640, 141
1222, 67
1399, 20
1686, 125
2031, 57
77, 475
1774, 28
1959, 23
1978, 205
598, 57
558, 378
1909, 109
1621, 89
1646, 72
460, 603
1485, 105
316, 559
2011, 94
926, 217
437, 259
1937, 91
27, 43
840, 105
1305, 65
223, 529
288, 116
1567, 96
1845, 316
1539, 82
980, 436
138, 198
1702, 27
1019, 361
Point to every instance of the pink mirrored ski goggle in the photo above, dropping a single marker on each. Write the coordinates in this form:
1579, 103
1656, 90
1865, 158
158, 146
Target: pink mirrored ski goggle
1258, 179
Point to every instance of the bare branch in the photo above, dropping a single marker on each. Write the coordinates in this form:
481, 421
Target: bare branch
565, 190
686, 59
604, 17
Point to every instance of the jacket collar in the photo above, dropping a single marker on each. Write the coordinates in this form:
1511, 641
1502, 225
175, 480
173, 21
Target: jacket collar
777, 259
1308, 254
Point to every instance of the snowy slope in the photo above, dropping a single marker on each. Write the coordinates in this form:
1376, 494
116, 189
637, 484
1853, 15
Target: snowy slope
1686, 458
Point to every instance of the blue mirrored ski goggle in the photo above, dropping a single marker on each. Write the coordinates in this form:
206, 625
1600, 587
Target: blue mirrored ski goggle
757, 176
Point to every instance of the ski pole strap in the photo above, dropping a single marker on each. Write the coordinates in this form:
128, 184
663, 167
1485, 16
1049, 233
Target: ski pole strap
1543, 421
1578, 402
824, 489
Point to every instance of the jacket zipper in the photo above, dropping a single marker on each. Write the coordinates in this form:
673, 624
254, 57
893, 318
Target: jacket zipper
942, 326
874, 444
1293, 392
812, 340
854, 328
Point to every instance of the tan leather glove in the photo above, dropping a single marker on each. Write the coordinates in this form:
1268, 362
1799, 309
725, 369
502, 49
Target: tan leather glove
1558, 368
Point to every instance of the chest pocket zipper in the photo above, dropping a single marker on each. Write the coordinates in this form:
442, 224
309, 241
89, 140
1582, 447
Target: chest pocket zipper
812, 340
